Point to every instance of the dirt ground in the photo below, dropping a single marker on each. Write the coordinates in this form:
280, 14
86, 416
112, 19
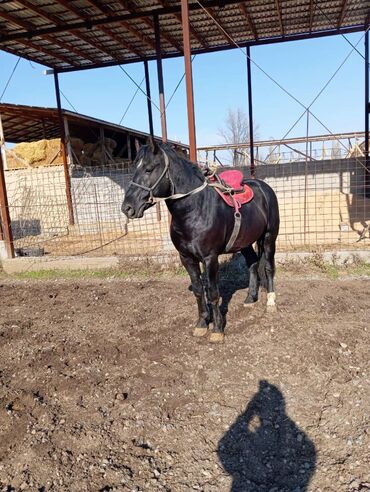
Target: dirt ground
103, 388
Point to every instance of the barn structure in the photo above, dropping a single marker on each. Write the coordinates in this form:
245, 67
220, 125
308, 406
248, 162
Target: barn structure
81, 34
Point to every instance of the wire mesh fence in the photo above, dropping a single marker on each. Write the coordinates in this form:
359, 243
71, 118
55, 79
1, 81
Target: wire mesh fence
323, 205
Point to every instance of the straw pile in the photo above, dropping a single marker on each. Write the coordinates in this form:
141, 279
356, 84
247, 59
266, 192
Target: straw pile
48, 153
35, 154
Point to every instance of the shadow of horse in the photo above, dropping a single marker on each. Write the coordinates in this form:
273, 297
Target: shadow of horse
264, 450
234, 276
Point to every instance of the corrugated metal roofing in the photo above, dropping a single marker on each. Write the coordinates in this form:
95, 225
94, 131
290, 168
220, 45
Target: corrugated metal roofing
31, 123
76, 34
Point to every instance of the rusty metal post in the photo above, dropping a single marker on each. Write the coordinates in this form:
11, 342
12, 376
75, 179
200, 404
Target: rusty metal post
162, 105
148, 98
64, 153
250, 110
189, 79
367, 110
4, 213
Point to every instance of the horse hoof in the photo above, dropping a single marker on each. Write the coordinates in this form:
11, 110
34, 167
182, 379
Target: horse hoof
200, 332
249, 304
271, 308
217, 337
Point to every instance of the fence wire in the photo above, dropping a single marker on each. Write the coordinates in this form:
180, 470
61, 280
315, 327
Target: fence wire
323, 206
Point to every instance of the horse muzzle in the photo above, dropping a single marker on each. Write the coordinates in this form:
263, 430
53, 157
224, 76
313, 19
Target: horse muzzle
132, 212
128, 211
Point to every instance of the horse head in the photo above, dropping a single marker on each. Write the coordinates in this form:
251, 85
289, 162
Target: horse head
150, 181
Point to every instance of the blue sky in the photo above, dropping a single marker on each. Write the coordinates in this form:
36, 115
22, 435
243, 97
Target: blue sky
302, 67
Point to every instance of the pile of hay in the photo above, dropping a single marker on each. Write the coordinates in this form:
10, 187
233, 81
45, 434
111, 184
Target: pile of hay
35, 154
45, 153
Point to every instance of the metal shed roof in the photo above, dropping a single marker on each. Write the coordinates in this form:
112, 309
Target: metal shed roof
77, 34
30, 123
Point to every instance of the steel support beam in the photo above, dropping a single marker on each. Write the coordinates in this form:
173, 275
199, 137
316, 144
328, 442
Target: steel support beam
148, 98
200, 51
250, 110
367, 109
162, 104
64, 152
189, 79
5, 223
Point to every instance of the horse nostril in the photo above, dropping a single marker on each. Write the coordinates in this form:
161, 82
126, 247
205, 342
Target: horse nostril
128, 210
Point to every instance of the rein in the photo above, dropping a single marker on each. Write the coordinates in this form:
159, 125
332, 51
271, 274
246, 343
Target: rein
175, 196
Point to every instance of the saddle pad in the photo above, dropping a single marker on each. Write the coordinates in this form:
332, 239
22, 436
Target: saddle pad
234, 180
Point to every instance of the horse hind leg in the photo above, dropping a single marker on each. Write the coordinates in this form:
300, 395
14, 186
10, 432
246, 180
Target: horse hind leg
193, 269
252, 261
269, 258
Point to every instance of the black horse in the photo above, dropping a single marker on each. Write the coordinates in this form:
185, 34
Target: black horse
202, 225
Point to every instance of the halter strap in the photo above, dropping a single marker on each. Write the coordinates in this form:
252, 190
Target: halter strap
174, 196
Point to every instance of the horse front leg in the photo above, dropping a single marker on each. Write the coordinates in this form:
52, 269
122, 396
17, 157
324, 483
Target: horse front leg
192, 267
211, 268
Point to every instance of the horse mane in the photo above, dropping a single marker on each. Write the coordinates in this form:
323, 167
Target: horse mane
182, 160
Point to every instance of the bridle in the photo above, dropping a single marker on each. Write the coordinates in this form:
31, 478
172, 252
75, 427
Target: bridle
174, 196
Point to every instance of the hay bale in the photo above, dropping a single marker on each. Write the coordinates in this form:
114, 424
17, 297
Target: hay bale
35, 154
100, 155
31, 152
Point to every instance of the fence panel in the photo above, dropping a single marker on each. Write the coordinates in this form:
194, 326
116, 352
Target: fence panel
322, 206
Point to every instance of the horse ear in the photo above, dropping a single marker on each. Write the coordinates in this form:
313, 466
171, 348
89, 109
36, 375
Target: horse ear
153, 145
137, 145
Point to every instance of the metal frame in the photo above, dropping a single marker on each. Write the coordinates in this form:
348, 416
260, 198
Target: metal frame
250, 110
64, 152
162, 104
189, 79
367, 112
148, 98
5, 223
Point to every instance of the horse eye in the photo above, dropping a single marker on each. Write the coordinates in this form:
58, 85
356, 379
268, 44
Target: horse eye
148, 170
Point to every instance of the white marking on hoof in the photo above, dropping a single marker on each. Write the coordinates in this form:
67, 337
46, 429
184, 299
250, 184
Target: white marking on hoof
271, 298
249, 304
217, 337
271, 308
200, 332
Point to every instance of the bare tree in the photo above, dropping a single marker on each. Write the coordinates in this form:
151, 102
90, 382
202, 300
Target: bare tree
236, 130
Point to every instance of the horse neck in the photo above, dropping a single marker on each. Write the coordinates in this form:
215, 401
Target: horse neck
185, 178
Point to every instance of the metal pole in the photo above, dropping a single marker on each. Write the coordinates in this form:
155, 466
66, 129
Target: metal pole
4, 213
64, 153
250, 109
367, 109
162, 105
189, 79
148, 98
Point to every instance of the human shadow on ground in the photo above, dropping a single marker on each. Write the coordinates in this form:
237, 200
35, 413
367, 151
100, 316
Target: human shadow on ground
264, 450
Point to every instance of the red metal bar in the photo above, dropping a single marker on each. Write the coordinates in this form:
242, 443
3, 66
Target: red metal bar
189, 79
6, 230
250, 111
367, 109
162, 105
64, 153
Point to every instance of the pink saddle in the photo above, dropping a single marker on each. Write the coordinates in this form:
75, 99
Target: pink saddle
241, 193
